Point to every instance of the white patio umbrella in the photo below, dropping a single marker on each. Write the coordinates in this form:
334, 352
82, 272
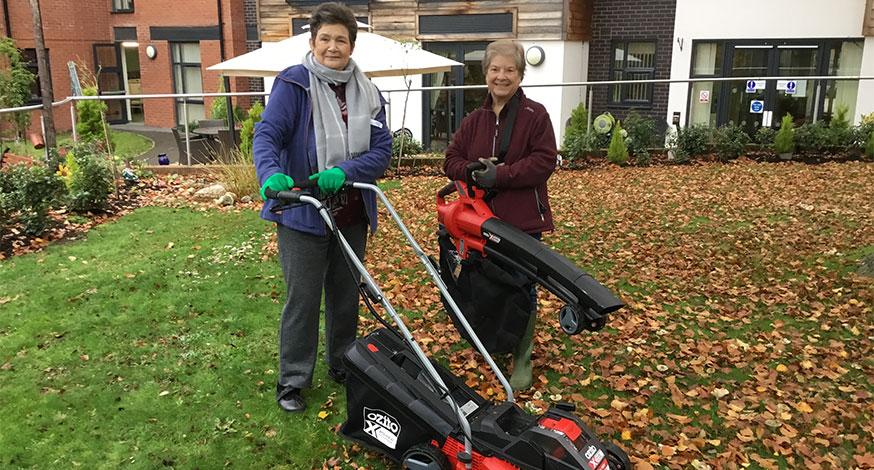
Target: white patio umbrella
378, 56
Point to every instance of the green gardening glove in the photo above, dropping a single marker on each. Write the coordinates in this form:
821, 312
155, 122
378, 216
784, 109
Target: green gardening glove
330, 181
277, 182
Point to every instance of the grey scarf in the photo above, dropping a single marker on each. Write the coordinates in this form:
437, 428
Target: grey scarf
334, 143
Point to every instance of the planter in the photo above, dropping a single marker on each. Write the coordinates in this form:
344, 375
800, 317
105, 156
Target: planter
785, 156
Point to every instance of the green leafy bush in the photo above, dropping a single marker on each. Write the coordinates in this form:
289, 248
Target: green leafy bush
15, 81
689, 142
642, 156
765, 137
617, 152
34, 190
411, 146
6, 203
784, 142
577, 125
220, 106
641, 133
577, 146
869, 146
91, 182
89, 126
812, 137
840, 131
730, 141
247, 133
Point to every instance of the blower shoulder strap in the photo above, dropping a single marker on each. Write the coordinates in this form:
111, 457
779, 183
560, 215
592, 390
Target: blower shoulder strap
508, 128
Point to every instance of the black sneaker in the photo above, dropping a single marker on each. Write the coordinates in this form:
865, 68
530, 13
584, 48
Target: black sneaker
337, 375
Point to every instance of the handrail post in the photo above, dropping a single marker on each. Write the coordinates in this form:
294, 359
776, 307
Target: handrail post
73, 119
187, 141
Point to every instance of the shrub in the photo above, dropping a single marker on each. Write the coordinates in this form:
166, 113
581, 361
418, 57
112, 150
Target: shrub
641, 132
90, 121
812, 137
690, 142
220, 106
784, 142
869, 146
765, 137
90, 183
642, 156
15, 81
411, 146
577, 125
578, 145
247, 133
840, 132
730, 141
618, 151
34, 190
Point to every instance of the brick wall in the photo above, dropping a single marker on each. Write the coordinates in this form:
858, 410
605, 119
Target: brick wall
630, 20
71, 27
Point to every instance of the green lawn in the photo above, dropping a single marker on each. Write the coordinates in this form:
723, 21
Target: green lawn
126, 144
746, 343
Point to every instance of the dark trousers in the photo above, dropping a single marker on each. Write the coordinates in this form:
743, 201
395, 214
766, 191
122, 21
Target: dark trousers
312, 264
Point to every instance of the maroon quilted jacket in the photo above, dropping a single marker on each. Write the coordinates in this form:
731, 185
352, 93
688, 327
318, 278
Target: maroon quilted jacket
521, 199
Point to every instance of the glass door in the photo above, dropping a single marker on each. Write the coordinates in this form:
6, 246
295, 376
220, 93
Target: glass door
444, 109
747, 102
794, 95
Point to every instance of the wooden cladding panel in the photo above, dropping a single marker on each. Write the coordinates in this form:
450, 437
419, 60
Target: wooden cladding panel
535, 19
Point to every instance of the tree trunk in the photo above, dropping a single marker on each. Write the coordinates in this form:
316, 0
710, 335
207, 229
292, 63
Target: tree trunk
44, 78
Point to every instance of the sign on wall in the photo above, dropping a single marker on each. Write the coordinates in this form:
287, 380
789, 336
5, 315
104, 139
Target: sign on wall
704, 96
757, 106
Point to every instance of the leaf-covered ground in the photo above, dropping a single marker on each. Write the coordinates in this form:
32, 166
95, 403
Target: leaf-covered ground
746, 342
747, 339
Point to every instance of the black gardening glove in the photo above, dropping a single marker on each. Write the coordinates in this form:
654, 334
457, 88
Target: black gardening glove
486, 178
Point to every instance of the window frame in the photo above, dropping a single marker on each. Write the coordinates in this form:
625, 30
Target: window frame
33, 67
624, 101
122, 10
173, 63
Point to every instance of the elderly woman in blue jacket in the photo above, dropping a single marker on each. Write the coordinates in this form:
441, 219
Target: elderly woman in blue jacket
324, 120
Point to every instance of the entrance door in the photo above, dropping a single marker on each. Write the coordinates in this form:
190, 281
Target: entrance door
444, 109
132, 81
765, 103
110, 79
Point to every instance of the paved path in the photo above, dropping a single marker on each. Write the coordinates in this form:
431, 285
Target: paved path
163, 138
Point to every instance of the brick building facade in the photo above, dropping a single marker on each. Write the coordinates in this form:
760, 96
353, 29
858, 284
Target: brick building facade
632, 39
186, 36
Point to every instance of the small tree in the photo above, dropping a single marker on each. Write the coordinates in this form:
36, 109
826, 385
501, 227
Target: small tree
15, 81
247, 133
220, 106
90, 122
784, 142
618, 151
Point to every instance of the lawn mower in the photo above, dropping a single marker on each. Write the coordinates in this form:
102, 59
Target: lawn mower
415, 411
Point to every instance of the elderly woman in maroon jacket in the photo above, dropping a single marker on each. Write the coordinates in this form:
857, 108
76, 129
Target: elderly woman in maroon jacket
518, 181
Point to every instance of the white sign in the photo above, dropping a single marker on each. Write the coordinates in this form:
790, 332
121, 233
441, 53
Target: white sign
751, 86
757, 107
793, 87
704, 96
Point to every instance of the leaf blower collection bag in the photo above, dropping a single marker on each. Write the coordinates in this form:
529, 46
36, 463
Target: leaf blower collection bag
496, 305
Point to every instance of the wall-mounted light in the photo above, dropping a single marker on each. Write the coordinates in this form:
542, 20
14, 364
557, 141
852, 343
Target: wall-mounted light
535, 56
151, 51
130, 44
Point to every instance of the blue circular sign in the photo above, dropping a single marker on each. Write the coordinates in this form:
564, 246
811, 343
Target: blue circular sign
756, 106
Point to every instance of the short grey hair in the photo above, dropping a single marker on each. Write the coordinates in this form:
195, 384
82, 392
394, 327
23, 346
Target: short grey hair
507, 48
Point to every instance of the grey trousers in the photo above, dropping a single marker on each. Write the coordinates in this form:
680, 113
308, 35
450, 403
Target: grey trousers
311, 264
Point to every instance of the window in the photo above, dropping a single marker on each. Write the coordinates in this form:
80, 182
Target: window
844, 59
632, 61
707, 60
185, 57
122, 6
28, 56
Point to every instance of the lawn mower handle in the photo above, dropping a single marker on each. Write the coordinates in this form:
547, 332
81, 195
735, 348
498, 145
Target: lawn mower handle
295, 194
